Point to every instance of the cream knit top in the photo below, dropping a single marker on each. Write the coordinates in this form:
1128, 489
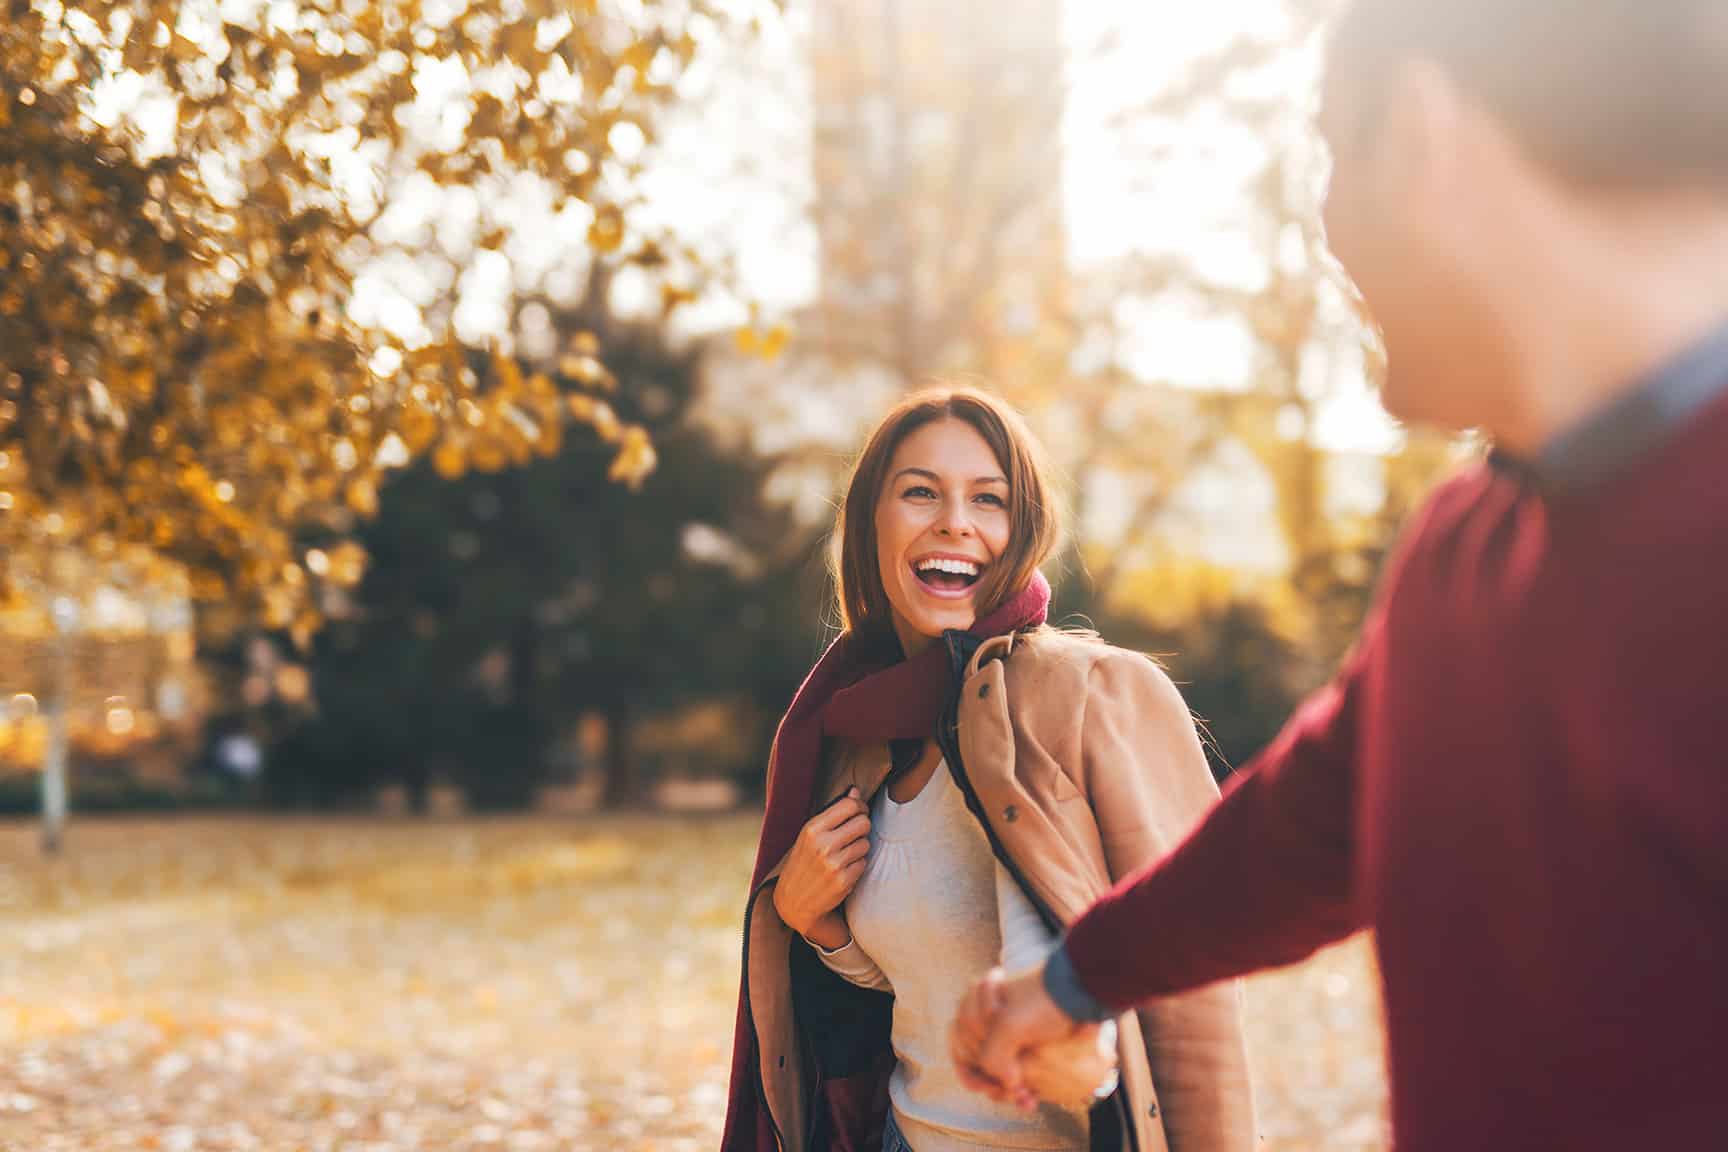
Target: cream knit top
934, 911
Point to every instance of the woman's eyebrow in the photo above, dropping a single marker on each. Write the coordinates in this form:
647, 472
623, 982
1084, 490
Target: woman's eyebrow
929, 475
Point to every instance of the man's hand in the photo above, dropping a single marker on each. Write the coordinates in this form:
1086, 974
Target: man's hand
1072, 1074
1001, 1021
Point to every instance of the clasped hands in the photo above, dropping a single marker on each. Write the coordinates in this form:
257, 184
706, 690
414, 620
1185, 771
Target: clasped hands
1011, 1043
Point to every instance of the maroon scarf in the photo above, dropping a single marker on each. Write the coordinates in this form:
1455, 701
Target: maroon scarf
861, 690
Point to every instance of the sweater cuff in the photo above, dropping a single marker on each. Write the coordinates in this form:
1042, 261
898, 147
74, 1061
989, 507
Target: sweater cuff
831, 953
1062, 983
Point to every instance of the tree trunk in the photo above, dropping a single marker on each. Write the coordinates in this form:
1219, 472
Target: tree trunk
621, 783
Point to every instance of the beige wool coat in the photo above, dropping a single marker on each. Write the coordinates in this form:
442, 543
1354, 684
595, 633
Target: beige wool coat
1084, 765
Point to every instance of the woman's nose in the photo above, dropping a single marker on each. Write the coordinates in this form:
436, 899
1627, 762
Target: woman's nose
954, 520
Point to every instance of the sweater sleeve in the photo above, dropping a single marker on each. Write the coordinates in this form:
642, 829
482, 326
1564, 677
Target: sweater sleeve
1264, 880
1026, 942
852, 964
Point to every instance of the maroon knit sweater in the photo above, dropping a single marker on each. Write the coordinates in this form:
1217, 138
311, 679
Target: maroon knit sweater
1520, 783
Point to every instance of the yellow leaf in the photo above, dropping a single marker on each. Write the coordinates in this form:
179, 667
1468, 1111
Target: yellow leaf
635, 459
675, 296
347, 564
518, 41
640, 55
509, 377
606, 234
774, 341
450, 460
489, 455
363, 497
605, 422
584, 369
419, 427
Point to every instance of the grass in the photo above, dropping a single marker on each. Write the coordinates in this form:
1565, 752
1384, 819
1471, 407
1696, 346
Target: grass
517, 984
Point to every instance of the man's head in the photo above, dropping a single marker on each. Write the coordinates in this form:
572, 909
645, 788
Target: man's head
1472, 138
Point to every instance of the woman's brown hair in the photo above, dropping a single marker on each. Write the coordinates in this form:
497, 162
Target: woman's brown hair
1035, 527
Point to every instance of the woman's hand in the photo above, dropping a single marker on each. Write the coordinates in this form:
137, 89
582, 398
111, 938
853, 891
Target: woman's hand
823, 867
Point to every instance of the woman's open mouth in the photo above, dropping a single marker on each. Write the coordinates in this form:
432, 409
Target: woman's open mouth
946, 576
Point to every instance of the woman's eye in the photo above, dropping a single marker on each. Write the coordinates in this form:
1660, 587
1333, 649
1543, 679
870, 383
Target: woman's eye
992, 499
919, 492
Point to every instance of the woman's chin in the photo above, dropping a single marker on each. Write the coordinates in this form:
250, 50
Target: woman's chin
933, 624
929, 614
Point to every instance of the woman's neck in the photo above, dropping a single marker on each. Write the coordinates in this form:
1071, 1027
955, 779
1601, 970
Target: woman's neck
912, 641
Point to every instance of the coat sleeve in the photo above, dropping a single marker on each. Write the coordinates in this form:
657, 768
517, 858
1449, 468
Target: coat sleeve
1264, 880
1149, 785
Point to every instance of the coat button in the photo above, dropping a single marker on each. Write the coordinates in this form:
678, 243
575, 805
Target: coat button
983, 691
1011, 813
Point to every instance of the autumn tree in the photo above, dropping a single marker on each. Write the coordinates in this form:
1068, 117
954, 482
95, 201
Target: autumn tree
938, 208
1240, 118
188, 192
500, 608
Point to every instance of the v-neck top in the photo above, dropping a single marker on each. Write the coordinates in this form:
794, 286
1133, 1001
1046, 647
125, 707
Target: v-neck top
933, 912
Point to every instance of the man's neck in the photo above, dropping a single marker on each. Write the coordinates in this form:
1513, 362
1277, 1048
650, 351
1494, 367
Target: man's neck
1607, 310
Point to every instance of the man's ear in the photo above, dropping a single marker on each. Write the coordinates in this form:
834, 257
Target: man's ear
1420, 141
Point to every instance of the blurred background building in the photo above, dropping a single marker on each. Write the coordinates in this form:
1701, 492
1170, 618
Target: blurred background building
113, 637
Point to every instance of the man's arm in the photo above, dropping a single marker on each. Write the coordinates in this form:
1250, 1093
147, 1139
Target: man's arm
1145, 775
1265, 879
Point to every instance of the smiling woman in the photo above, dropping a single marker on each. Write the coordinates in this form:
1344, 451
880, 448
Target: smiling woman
953, 784
949, 512
937, 531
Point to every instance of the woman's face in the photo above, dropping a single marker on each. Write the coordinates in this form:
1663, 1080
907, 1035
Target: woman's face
941, 521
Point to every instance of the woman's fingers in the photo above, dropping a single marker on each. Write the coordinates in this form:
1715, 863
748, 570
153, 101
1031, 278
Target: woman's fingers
826, 863
966, 1039
974, 1080
974, 1018
850, 854
961, 1050
841, 810
856, 827
849, 877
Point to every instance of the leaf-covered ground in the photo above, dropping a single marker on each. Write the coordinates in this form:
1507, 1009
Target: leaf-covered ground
375, 986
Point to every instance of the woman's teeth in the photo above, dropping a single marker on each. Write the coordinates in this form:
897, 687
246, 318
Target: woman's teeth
957, 567
947, 575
